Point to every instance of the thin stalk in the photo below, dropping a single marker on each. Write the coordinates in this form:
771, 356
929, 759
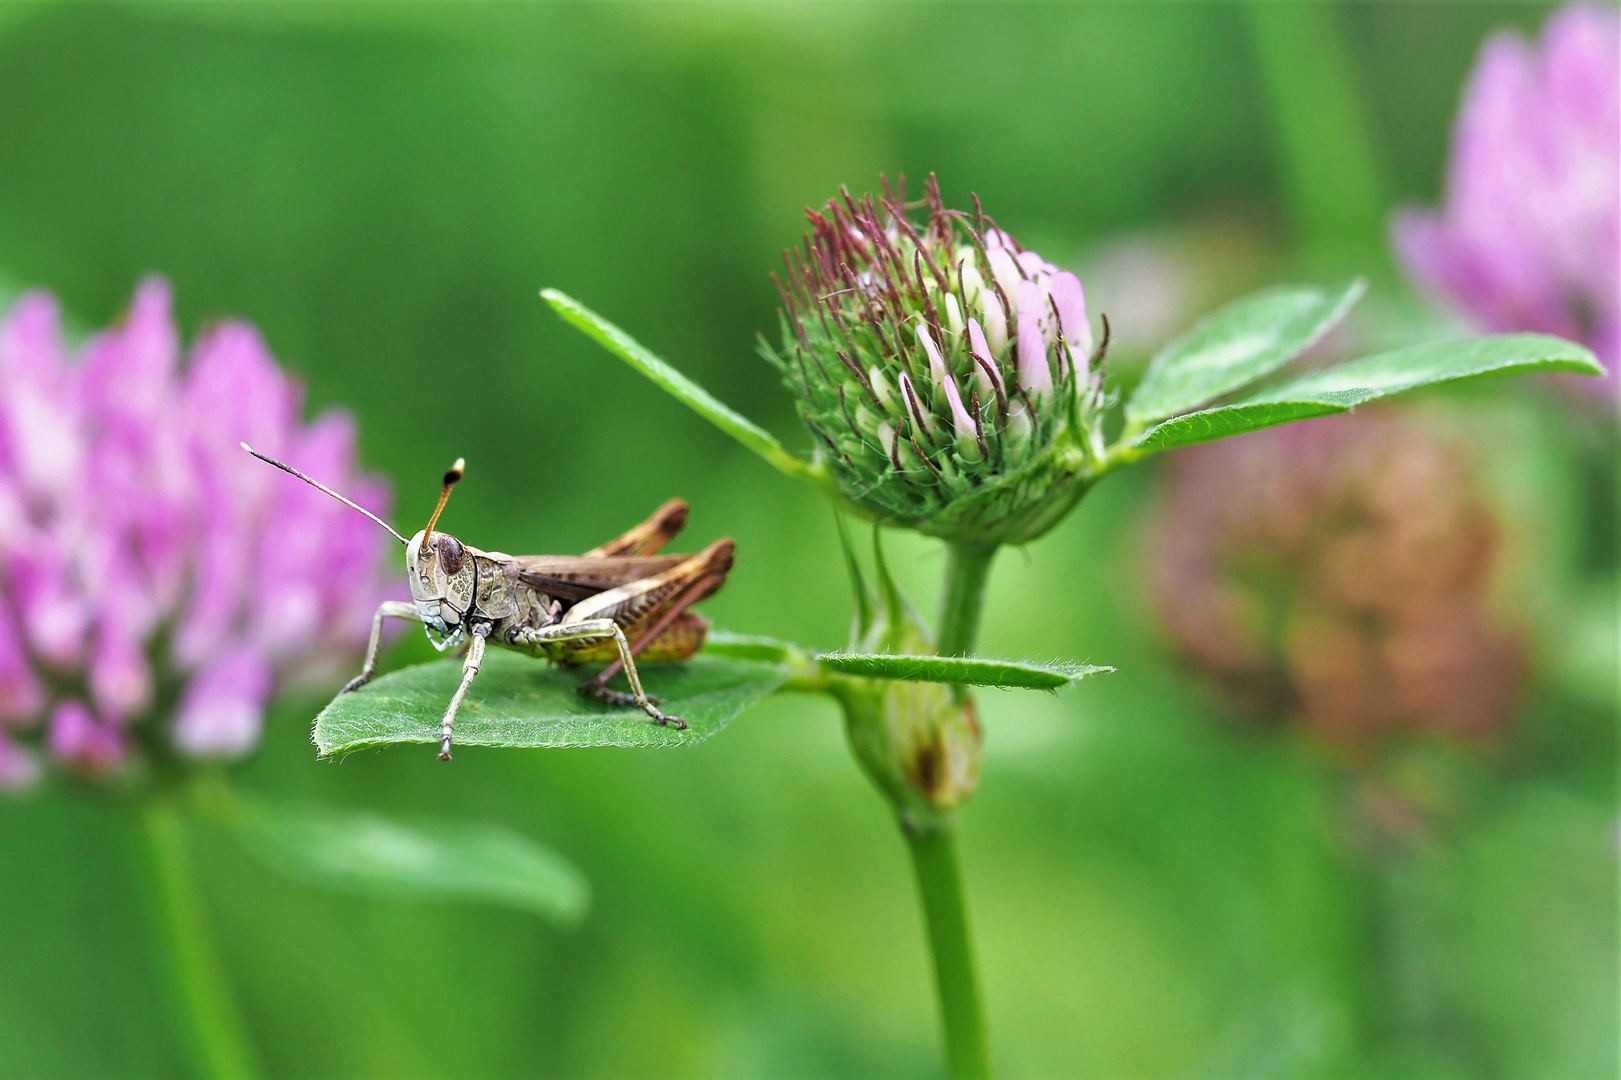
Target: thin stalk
1327, 146
212, 1022
968, 567
934, 847
962, 1014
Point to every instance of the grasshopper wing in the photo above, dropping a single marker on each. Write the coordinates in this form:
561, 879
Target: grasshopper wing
575, 577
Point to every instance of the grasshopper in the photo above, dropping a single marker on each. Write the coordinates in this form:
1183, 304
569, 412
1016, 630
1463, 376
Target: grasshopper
613, 604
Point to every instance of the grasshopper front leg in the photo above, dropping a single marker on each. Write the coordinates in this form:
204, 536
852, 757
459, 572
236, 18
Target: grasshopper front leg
596, 630
389, 609
475, 657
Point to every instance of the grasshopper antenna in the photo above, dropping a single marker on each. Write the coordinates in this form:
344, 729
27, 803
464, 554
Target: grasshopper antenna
322, 487
457, 471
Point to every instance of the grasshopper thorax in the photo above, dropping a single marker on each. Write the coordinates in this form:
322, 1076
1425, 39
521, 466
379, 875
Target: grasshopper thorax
444, 581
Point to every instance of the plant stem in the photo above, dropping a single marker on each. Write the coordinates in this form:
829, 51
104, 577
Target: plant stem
1327, 146
934, 846
214, 1026
939, 884
968, 567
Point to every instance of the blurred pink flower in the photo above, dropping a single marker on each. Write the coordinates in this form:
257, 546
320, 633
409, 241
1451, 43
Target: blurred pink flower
151, 573
1342, 574
1530, 235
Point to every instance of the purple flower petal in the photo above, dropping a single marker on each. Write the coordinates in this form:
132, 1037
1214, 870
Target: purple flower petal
120, 680
995, 324
1070, 299
39, 409
77, 738
1034, 266
234, 393
1527, 238
317, 583
990, 379
937, 366
961, 422
1034, 373
139, 482
129, 371
21, 695
130, 517
1004, 267
53, 612
222, 709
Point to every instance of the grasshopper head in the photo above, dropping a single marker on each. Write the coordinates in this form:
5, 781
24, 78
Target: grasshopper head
443, 575
443, 579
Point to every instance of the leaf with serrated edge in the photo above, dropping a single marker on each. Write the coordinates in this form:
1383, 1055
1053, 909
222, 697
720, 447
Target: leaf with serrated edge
674, 383
959, 670
1239, 344
1339, 389
368, 852
518, 701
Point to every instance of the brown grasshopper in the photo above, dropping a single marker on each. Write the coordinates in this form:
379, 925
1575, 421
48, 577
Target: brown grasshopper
613, 604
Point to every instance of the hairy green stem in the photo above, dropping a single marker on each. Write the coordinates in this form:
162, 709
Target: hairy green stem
934, 846
968, 567
962, 1014
214, 1027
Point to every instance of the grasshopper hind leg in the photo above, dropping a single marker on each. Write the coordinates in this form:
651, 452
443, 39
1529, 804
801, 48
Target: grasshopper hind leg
597, 687
598, 630
592, 688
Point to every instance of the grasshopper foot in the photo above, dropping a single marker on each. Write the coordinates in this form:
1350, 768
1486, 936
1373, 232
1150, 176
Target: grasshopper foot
606, 696
357, 682
623, 700
614, 697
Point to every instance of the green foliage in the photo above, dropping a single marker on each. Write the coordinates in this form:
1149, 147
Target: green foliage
960, 670
381, 188
1244, 341
1342, 388
670, 380
372, 853
521, 702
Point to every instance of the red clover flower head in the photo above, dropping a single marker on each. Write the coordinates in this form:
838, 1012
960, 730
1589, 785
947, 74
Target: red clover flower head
947, 373
1528, 236
156, 583
1340, 573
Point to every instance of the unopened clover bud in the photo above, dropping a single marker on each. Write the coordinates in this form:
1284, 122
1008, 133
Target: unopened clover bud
946, 373
918, 741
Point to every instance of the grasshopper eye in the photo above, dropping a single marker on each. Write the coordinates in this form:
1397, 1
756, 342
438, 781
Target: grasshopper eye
451, 554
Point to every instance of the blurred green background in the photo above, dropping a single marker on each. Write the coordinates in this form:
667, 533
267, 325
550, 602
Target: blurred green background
1157, 892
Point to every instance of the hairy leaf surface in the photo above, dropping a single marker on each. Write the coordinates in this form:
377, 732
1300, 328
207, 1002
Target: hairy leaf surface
1237, 345
518, 701
960, 670
1339, 389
